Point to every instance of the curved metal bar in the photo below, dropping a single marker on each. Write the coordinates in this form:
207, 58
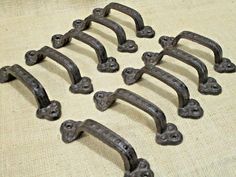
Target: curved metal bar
50, 110
206, 85
141, 30
188, 108
222, 65
72, 130
124, 45
79, 84
167, 134
105, 64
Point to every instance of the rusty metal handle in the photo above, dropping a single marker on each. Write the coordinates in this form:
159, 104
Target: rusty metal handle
222, 65
141, 30
105, 64
206, 85
167, 133
124, 45
50, 110
72, 130
188, 108
79, 84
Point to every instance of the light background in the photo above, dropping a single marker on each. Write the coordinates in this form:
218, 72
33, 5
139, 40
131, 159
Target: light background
32, 147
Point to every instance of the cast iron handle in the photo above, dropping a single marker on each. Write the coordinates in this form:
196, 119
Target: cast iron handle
124, 45
167, 133
222, 65
72, 130
141, 30
79, 84
206, 85
50, 110
188, 108
105, 64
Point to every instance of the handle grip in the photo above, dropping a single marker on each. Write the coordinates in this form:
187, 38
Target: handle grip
72, 130
78, 84
188, 108
167, 134
222, 65
124, 45
105, 64
50, 110
141, 30
207, 85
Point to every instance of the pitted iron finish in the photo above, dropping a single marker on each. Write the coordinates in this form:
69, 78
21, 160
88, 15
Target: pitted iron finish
105, 64
222, 65
206, 85
124, 45
188, 110
72, 130
79, 84
104, 100
141, 30
50, 110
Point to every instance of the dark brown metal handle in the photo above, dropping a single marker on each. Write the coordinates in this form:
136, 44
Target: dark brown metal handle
79, 84
141, 30
105, 64
72, 130
222, 65
50, 110
124, 45
188, 108
206, 85
167, 134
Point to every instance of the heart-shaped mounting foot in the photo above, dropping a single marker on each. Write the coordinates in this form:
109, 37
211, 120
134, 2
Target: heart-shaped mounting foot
109, 66
226, 66
129, 46
4, 76
103, 100
192, 110
143, 170
166, 41
51, 112
146, 32
85, 86
69, 131
79, 24
129, 75
151, 58
32, 57
59, 41
211, 87
171, 136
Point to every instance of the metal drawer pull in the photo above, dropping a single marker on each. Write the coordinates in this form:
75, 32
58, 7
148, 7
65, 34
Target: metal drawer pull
105, 64
134, 166
50, 110
188, 108
167, 133
124, 45
206, 85
141, 30
79, 84
222, 65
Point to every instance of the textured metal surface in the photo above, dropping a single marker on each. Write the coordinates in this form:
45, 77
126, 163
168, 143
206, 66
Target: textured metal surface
206, 85
141, 30
50, 110
188, 108
79, 84
134, 167
167, 133
105, 64
222, 65
124, 45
